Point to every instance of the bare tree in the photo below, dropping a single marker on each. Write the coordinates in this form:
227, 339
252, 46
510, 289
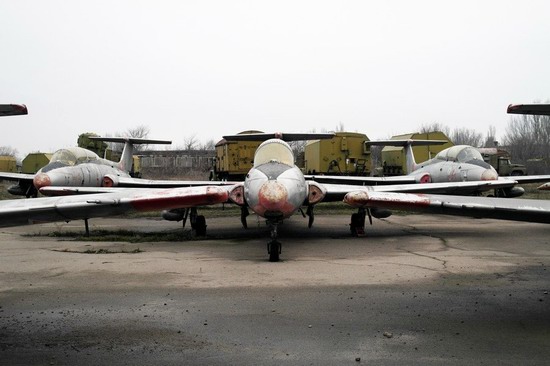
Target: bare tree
466, 136
208, 145
190, 142
8, 151
528, 137
139, 132
435, 127
490, 137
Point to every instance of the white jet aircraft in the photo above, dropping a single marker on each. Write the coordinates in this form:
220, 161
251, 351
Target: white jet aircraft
79, 167
274, 189
459, 163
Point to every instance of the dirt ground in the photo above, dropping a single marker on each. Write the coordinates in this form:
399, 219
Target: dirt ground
417, 289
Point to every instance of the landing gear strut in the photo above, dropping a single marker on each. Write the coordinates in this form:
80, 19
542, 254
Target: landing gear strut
244, 214
87, 227
273, 247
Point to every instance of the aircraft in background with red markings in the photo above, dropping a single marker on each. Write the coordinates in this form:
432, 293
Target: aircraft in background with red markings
274, 189
79, 167
459, 163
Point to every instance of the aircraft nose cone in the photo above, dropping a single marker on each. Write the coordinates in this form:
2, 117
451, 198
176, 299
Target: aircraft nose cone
41, 180
489, 174
273, 196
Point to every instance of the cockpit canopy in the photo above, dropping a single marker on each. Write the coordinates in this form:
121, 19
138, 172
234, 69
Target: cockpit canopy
274, 150
73, 156
460, 154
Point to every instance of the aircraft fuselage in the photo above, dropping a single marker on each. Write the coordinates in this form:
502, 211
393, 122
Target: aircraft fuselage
451, 171
275, 188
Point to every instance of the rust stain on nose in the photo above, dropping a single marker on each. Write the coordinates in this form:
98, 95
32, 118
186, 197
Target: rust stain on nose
41, 180
273, 196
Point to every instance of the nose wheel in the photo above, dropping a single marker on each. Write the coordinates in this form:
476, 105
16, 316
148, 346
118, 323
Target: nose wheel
273, 247
274, 250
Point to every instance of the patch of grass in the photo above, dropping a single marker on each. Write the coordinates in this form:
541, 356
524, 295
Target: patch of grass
102, 251
121, 236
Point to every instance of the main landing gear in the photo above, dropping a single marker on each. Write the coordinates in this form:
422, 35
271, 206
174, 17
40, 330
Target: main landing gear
198, 222
357, 224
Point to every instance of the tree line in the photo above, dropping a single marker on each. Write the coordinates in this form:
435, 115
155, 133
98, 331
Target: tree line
526, 137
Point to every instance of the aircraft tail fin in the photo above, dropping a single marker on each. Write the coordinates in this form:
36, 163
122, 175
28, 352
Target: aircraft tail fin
126, 159
407, 144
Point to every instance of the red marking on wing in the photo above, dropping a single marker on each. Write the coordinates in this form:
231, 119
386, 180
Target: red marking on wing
385, 199
181, 198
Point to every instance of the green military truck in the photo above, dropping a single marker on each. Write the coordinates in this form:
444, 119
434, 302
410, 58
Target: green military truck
500, 159
344, 154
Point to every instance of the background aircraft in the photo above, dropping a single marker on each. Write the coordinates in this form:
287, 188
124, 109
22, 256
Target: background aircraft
13, 109
460, 163
78, 167
274, 189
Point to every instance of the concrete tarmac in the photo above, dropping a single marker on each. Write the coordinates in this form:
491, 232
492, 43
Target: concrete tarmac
416, 290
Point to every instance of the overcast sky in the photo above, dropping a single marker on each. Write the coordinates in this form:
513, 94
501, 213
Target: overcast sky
209, 68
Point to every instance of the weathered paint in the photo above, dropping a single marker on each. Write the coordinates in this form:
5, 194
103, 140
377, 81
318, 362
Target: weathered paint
387, 199
276, 188
167, 199
82, 175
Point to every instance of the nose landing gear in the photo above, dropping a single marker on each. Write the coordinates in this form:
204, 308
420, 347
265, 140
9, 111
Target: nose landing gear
273, 247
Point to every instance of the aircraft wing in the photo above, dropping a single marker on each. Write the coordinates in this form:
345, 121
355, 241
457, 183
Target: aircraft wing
13, 109
151, 183
337, 192
50, 209
363, 181
478, 207
16, 176
524, 179
535, 109
131, 183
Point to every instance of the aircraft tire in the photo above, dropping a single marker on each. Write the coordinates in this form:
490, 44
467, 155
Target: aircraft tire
274, 251
200, 225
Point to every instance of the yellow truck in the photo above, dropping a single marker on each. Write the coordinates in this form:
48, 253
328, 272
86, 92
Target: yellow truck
8, 164
234, 158
344, 154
